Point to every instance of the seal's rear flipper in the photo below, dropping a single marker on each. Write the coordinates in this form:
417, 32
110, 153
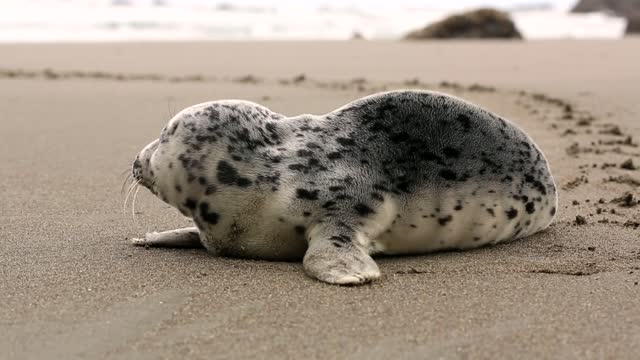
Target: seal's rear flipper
179, 238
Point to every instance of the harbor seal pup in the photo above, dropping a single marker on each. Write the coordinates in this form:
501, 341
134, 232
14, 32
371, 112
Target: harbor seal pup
401, 172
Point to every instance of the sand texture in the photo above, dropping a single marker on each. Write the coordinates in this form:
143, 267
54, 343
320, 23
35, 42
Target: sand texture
72, 117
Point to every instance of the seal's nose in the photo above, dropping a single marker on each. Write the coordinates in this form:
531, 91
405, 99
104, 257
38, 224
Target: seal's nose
141, 168
137, 169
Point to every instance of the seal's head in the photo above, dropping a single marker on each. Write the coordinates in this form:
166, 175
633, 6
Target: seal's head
156, 168
142, 170
209, 149
175, 167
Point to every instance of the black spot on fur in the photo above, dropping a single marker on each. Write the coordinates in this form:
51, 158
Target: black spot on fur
403, 186
304, 153
340, 239
447, 174
210, 217
399, 137
535, 183
553, 211
243, 182
336, 188
307, 194
314, 162
380, 187
334, 156
363, 210
329, 204
297, 167
530, 207
377, 196
173, 128
190, 203
345, 141
451, 152
228, 175
511, 213
275, 159
464, 121
429, 156
443, 221
491, 212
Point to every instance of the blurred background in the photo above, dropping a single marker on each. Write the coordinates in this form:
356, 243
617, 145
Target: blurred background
135, 20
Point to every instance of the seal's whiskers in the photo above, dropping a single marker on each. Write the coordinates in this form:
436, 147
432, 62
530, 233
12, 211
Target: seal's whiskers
133, 202
129, 192
125, 182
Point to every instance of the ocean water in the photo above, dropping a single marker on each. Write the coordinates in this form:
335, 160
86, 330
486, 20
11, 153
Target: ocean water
156, 20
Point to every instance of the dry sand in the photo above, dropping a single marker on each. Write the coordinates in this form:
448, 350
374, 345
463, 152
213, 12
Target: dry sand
73, 287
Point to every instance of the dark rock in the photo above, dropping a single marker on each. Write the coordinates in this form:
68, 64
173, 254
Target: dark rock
299, 78
628, 164
357, 36
476, 24
633, 23
630, 9
631, 224
619, 7
626, 200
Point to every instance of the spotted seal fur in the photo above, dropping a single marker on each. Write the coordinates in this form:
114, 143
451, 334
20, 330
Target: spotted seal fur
401, 172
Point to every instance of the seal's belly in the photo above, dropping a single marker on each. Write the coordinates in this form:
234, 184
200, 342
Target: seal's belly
462, 219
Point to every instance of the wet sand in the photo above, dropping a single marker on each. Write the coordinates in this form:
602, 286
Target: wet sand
73, 117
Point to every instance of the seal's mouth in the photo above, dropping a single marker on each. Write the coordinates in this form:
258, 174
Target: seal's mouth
140, 179
141, 170
136, 182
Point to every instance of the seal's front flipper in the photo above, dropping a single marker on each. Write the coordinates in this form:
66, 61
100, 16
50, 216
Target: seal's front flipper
339, 259
179, 238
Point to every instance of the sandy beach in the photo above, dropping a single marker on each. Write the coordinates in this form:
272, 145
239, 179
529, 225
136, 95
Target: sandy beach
74, 116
